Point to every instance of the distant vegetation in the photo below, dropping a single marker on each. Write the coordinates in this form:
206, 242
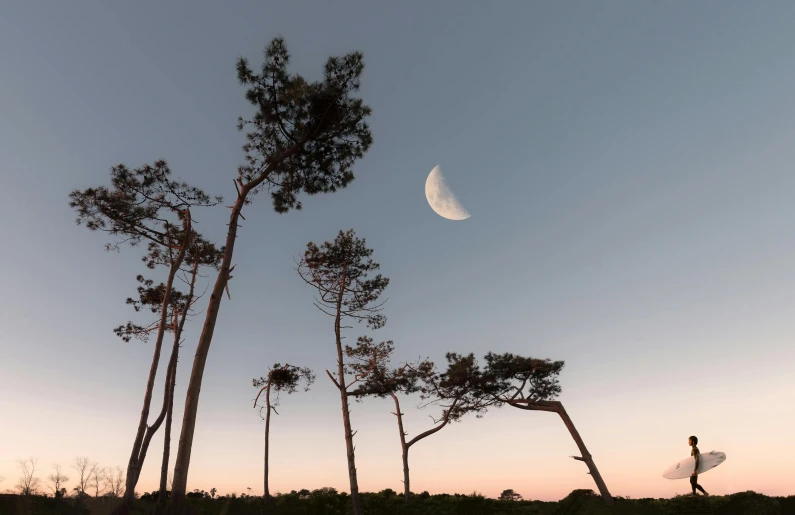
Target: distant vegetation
327, 501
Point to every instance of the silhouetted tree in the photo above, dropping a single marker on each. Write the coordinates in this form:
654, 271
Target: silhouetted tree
200, 253
529, 384
456, 391
28, 483
96, 476
114, 481
305, 137
340, 273
510, 495
57, 479
82, 466
280, 378
137, 209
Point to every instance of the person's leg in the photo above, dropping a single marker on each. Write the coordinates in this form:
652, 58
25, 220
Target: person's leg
693, 483
701, 488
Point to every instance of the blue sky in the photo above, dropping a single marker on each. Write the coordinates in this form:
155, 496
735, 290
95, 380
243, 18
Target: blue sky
627, 165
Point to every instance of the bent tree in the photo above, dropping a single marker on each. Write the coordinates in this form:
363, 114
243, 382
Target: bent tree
529, 384
305, 137
144, 205
339, 271
280, 378
456, 391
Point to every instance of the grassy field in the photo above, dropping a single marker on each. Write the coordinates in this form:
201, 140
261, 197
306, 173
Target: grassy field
329, 502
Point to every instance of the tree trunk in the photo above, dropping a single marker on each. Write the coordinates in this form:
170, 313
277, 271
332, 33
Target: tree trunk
404, 448
180, 483
161, 501
151, 430
346, 412
136, 462
557, 407
184, 448
267, 493
346, 419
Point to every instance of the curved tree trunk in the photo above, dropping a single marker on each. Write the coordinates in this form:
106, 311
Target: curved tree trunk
197, 372
203, 348
557, 407
407, 445
136, 459
404, 448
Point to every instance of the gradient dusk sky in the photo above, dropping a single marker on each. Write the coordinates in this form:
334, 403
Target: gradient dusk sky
628, 167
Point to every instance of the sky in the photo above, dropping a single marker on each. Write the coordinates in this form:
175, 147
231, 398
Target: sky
628, 169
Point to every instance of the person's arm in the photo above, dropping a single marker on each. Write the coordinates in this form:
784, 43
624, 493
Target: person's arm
696, 454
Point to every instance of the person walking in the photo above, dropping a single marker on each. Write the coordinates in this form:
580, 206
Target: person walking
692, 442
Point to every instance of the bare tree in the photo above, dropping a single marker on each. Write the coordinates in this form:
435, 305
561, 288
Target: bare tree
114, 481
280, 378
28, 483
305, 137
339, 272
83, 468
96, 476
529, 384
137, 210
58, 479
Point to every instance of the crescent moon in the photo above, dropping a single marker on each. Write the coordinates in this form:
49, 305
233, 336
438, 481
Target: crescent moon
441, 198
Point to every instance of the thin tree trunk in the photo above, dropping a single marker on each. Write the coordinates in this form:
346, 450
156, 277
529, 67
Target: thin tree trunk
151, 430
161, 501
267, 494
404, 448
135, 463
184, 448
346, 412
407, 445
557, 407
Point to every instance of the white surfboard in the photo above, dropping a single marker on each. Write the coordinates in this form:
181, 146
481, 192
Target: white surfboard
683, 469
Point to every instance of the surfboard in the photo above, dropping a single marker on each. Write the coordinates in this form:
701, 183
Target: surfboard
683, 469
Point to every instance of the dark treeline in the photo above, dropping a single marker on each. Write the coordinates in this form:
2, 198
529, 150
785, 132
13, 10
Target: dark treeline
327, 501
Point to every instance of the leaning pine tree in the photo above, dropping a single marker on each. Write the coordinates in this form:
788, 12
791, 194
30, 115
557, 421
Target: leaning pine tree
531, 384
305, 137
144, 205
280, 378
339, 270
